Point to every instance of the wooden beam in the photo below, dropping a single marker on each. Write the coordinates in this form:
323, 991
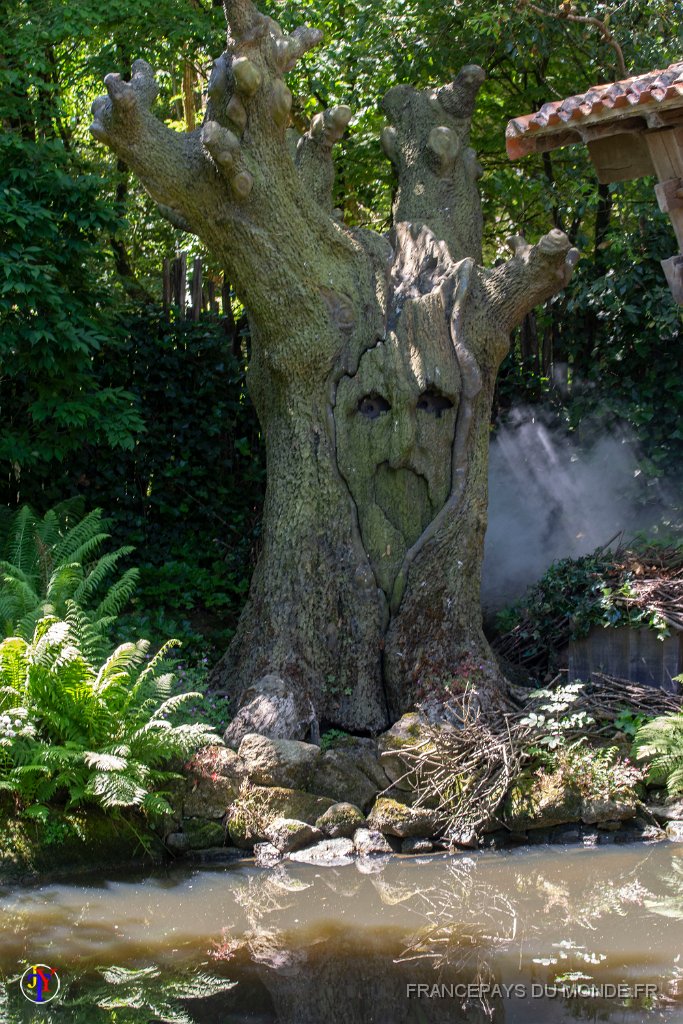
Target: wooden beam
620, 157
673, 270
666, 150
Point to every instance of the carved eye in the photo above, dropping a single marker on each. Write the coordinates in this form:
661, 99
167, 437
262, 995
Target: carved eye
434, 403
373, 406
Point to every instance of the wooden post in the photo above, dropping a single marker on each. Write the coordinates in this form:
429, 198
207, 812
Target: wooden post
666, 150
182, 285
196, 288
166, 284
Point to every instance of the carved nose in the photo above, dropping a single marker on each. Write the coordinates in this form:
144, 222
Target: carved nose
402, 441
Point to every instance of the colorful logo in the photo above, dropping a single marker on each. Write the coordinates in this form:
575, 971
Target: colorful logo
40, 983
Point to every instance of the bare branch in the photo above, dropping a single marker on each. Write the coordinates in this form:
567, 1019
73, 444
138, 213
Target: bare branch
314, 153
427, 142
530, 277
167, 162
567, 12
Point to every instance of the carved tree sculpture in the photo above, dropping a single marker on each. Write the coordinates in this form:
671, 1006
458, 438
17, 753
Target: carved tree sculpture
373, 365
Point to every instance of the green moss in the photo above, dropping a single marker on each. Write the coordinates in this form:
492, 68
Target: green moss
202, 834
66, 843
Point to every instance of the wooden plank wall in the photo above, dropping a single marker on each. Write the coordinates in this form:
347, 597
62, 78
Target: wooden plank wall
634, 654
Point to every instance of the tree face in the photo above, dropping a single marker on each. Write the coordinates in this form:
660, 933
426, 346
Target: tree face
372, 370
395, 425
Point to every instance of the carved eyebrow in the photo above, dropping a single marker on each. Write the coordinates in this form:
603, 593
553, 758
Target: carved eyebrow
433, 402
373, 405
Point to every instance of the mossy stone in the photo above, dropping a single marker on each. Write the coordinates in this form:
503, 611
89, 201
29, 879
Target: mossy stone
203, 834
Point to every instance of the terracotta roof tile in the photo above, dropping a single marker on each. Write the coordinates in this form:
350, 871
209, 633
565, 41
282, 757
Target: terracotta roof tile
601, 104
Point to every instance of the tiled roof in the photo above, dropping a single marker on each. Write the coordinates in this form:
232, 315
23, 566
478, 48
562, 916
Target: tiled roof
566, 121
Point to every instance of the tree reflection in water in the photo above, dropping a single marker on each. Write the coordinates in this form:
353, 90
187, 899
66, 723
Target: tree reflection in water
300, 945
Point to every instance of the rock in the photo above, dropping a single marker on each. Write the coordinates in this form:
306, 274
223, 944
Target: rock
214, 776
271, 707
177, 842
602, 810
414, 844
395, 819
670, 810
287, 834
411, 729
349, 774
257, 806
276, 762
330, 852
366, 842
541, 801
674, 831
202, 834
340, 821
266, 855
568, 834
374, 864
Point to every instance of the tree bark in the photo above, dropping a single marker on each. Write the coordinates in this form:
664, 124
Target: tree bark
372, 371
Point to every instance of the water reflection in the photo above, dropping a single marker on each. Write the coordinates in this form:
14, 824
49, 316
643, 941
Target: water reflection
486, 937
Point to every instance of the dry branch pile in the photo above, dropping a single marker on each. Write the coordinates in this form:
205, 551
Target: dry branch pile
464, 773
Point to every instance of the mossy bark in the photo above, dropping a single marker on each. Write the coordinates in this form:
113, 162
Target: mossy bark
373, 366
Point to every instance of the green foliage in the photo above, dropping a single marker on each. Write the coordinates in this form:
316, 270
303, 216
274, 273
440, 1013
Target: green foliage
53, 566
86, 733
629, 722
553, 717
333, 738
596, 772
53, 311
551, 743
660, 743
188, 497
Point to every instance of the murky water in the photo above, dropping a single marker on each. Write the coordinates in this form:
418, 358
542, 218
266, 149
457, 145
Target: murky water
536, 936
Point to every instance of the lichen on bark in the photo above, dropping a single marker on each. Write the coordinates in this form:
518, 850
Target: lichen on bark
373, 365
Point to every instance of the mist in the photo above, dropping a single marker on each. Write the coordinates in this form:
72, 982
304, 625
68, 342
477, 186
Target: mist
551, 498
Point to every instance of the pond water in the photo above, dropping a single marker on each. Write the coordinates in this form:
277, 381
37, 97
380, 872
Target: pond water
543, 935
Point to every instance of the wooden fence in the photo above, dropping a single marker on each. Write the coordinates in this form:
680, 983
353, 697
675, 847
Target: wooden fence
205, 295
199, 295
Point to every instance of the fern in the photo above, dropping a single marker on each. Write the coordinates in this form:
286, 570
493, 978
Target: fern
660, 742
50, 564
81, 731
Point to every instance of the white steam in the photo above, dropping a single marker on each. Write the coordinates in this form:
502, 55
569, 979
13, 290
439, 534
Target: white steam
550, 498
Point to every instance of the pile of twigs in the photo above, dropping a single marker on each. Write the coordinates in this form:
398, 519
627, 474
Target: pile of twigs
463, 773
605, 697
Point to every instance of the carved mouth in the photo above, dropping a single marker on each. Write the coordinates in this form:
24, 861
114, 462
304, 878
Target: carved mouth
403, 496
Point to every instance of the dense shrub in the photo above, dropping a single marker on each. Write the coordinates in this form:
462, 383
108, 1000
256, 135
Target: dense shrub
77, 732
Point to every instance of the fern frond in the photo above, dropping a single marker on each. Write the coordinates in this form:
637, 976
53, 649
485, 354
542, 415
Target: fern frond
118, 594
105, 762
79, 534
21, 542
119, 666
115, 790
13, 663
62, 583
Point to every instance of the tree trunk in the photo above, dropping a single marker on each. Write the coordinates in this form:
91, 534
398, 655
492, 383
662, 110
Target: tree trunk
373, 365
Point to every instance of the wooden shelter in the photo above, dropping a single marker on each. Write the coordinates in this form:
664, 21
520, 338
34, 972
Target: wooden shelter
632, 128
